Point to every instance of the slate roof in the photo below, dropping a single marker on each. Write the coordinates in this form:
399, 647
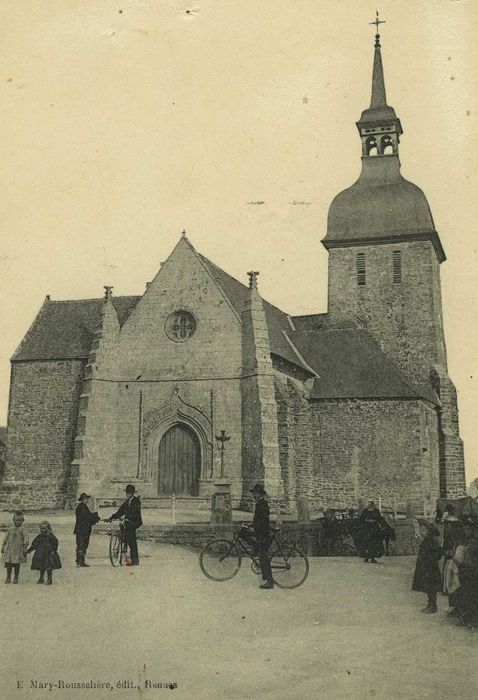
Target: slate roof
64, 329
348, 362
3, 434
278, 322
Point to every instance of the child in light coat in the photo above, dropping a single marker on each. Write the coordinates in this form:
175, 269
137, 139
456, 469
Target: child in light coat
14, 547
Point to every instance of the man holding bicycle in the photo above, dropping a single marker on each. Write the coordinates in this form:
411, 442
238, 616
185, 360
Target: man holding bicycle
131, 510
261, 527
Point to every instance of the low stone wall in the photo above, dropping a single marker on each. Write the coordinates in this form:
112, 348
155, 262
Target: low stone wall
307, 536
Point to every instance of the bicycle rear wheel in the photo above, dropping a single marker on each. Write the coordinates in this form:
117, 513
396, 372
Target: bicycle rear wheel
115, 549
290, 567
220, 560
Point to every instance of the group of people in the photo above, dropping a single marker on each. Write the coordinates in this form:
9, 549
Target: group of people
129, 511
369, 534
16, 545
458, 578
458, 548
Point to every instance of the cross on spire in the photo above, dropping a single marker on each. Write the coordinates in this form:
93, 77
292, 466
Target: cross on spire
377, 22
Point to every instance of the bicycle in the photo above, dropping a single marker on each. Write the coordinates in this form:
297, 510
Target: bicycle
220, 560
118, 546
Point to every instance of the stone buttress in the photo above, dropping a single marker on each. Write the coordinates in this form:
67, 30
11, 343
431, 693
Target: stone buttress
260, 442
93, 464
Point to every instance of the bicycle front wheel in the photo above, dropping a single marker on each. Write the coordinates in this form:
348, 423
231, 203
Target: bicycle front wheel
220, 560
290, 567
115, 549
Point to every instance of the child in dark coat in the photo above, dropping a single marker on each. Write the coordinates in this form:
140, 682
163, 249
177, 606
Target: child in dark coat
427, 578
46, 556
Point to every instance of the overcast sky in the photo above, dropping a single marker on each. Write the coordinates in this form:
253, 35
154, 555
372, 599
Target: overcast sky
124, 122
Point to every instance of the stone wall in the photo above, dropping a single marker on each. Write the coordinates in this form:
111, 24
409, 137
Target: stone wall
306, 536
260, 446
371, 449
405, 318
452, 461
295, 440
147, 371
43, 408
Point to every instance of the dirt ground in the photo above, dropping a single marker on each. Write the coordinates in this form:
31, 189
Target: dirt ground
353, 630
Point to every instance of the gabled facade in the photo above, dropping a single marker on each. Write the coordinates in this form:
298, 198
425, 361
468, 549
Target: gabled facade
355, 403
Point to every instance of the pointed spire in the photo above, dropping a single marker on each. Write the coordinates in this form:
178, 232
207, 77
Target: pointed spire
379, 99
379, 117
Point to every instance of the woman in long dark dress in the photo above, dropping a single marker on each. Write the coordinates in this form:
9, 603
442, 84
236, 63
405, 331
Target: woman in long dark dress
427, 578
371, 536
45, 559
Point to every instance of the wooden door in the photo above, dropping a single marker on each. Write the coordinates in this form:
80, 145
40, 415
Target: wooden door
179, 462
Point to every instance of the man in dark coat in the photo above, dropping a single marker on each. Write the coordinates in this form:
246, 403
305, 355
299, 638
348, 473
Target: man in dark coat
131, 510
371, 533
261, 526
85, 520
427, 578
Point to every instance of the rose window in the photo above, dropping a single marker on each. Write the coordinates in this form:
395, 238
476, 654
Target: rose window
180, 326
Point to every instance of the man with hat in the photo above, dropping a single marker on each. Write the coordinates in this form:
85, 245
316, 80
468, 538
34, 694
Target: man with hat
131, 510
85, 520
261, 526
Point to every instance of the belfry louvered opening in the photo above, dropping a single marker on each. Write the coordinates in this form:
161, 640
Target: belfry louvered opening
360, 263
397, 266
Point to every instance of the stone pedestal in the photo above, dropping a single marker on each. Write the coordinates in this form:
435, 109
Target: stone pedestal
221, 507
303, 513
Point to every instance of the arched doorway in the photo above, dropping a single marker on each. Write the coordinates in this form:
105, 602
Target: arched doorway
179, 462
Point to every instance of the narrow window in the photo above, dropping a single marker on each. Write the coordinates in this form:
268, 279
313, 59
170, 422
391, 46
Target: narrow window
397, 266
360, 269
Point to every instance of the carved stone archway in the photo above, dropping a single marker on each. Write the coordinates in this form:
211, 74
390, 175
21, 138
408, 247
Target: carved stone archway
158, 421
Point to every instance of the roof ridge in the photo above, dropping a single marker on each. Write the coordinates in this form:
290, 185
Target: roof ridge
203, 257
300, 356
416, 388
75, 301
207, 260
318, 313
31, 329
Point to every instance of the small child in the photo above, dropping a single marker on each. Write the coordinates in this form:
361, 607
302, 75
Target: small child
46, 553
14, 547
427, 578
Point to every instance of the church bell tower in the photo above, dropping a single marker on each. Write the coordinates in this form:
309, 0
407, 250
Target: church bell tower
384, 251
384, 267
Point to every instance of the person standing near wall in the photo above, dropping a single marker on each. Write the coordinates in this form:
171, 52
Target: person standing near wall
130, 509
85, 520
371, 533
14, 547
261, 526
427, 578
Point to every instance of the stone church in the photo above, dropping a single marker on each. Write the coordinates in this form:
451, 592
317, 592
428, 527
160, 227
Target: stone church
334, 407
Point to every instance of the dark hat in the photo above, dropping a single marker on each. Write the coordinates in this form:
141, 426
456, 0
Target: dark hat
259, 488
431, 526
130, 488
83, 495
